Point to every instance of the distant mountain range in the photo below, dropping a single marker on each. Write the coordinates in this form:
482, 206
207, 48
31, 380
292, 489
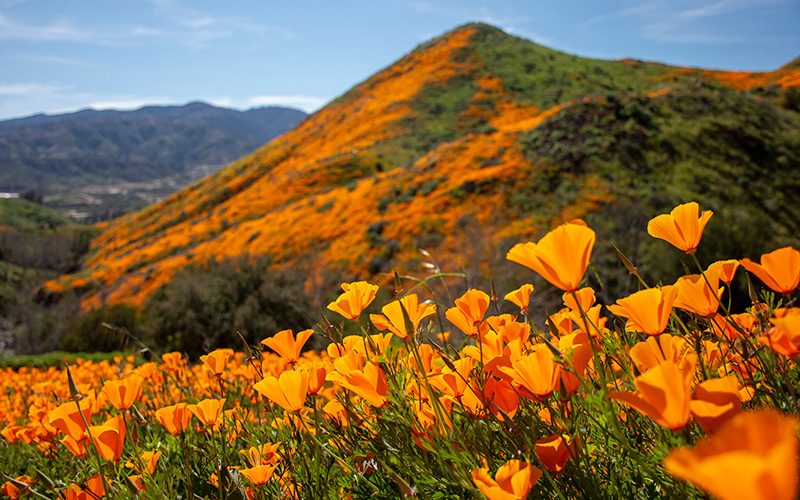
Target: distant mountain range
83, 158
473, 142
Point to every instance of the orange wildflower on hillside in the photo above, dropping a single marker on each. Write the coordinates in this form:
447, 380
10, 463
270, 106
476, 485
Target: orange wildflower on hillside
468, 313
521, 297
123, 393
208, 411
663, 394
513, 480
393, 318
555, 451
175, 418
560, 257
288, 391
752, 457
217, 360
356, 297
682, 227
648, 311
699, 293
779, 269
286, 345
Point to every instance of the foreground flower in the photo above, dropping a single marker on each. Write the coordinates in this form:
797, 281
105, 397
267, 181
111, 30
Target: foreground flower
356, 297
560, 257
468, 313
521, 297
664, 394
752, 457
779, 270
207, 411
682, 227
288, 391
123, 393
695, 295
175, 418
555, 451
109, 438
217, 359
648, 311
513, 480
393, 318
259, 474
286, 345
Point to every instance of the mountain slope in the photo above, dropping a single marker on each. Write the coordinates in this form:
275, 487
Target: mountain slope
63, 154
470, 143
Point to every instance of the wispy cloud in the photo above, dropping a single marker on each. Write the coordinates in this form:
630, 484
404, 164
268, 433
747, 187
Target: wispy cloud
65, 61
28, 89
60, 30
681, 21
130, 103
306, 103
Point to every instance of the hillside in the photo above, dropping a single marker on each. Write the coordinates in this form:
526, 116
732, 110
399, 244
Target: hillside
472, 142
85, 160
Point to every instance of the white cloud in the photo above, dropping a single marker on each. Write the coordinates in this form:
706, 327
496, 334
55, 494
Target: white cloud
60, 30
132, 103
27, 89
306, 103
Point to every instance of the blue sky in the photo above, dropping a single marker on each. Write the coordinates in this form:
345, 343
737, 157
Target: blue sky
63, 55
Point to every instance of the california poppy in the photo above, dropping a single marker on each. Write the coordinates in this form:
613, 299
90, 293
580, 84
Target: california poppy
779, 269
394, 320
356, 297
715, 401
468, 313
682, 227
217, 360
207, 411
727, 268
648, 310
521, 297
560, 257
109, 438
369, 383
288, 390
695, 295
537, 372
286, 345
513, 480
663, 394
785, 337
753, 456
174, 418
68, 420
123, 393
259, 474
554, 451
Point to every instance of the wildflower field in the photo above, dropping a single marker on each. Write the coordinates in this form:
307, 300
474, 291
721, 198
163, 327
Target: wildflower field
671, 395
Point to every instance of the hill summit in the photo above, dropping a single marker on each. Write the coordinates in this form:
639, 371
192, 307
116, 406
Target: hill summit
470, 143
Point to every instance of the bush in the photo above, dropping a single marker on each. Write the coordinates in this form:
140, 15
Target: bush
204, 306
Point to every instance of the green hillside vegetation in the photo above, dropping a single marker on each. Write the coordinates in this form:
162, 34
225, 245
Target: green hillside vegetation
19, 213
733, 153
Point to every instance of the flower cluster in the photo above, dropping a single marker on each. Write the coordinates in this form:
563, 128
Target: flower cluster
674, 395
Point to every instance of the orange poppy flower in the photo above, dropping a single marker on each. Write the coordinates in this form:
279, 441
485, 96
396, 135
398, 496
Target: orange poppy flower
657, 350
149, 459
356, 297
454, 382
648, 310
537, 372
715, 401
175, 418
207, 411
663, 394
16, 489
67, 419
555, 451
109, 438
560, 257
682, 227
727, 269
369, 383
267, 453
513, 480
123, 393
259, 474
77, 448
779, 269
468, 313
785, 337
694, 294
289, 390
753, 456
285, 344
217, 360
394, 320
521, 297
173, 361
94, 489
